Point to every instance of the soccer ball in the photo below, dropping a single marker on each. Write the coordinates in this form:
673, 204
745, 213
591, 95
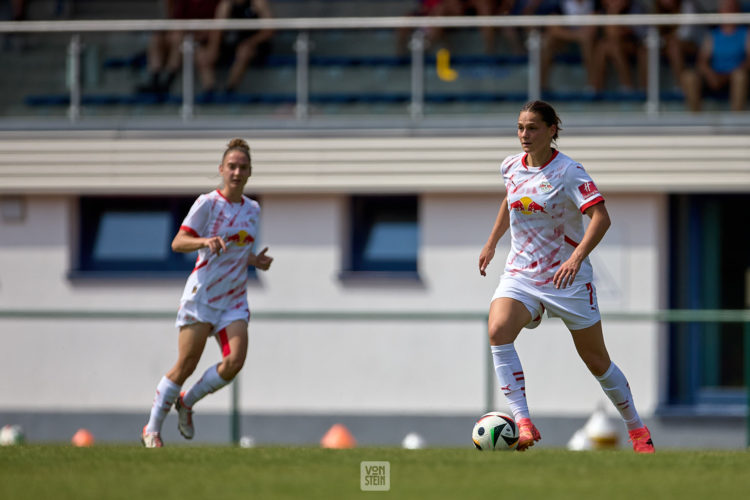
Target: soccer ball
495, 431
11, 435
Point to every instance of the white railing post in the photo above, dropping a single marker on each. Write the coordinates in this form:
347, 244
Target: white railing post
534, 46
188, 91
74, 77
416, 46
652, 96
302, 48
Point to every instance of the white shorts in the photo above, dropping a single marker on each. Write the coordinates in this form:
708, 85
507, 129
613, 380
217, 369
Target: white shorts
576, 305
197, 312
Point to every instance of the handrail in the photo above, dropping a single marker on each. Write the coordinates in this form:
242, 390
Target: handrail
317, 23
304, 25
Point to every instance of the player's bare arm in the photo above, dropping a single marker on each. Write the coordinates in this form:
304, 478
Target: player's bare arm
594, 233
184, 242
261, 260
502, 223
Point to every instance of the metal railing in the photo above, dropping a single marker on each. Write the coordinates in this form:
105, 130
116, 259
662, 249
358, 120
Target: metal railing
305, 25
662, 316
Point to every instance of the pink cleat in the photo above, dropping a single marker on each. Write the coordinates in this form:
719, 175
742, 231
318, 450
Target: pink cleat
527, 434
641, 439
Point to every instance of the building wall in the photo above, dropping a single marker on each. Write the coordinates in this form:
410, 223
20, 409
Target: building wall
354, 367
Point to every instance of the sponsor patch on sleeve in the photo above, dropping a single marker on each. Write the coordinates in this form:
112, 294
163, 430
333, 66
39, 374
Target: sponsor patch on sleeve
588, 189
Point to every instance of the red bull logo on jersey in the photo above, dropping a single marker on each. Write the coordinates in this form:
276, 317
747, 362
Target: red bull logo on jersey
241, 239
527, 206
588, 189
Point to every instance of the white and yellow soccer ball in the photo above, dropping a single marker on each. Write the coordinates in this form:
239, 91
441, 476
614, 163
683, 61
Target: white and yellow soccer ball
11, 435
495, 431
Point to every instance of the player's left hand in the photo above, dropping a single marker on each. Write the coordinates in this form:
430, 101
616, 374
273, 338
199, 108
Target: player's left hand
263, 261
566, 273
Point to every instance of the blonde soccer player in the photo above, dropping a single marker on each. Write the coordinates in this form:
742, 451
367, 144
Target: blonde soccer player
221, 226
547, 195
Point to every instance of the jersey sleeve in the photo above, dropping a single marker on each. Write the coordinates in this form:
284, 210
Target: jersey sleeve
196, 221
581, 188
505, 170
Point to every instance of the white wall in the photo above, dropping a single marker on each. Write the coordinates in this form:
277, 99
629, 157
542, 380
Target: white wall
310, 367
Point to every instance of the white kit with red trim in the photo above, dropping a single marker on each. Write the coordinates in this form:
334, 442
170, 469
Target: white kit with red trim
220, 280
545, 205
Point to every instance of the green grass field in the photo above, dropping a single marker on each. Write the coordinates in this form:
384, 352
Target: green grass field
208, 472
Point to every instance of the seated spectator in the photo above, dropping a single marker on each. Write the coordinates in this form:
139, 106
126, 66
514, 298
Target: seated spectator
238, 48
583, 36
723, 63
523, 8
679, 43
440, 8
620, 45
165, 48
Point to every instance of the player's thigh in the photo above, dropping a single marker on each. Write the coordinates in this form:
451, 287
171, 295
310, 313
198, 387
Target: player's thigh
192, 339
236, 339
507, 317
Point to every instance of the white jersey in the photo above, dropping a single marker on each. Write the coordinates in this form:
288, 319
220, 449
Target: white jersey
220, 281
546, 224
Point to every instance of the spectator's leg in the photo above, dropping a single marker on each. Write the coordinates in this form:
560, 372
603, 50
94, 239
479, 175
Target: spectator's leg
738, 89
598, 66
691, 85
673, 51
205, 64
485, 8
619, 56
552, 36
244, 54
586, 39
157, 50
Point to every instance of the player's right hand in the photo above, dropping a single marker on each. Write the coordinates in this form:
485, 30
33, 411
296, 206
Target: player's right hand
216, 244
484, 259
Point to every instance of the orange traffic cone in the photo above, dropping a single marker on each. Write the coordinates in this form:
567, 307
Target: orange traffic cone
338, 436
82, 437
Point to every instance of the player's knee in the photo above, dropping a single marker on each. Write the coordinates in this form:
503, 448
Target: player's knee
597, 364
233, 365
501, 332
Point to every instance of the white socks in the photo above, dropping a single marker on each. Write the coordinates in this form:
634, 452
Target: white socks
616, 388
210, 382
510, 375
167, 393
